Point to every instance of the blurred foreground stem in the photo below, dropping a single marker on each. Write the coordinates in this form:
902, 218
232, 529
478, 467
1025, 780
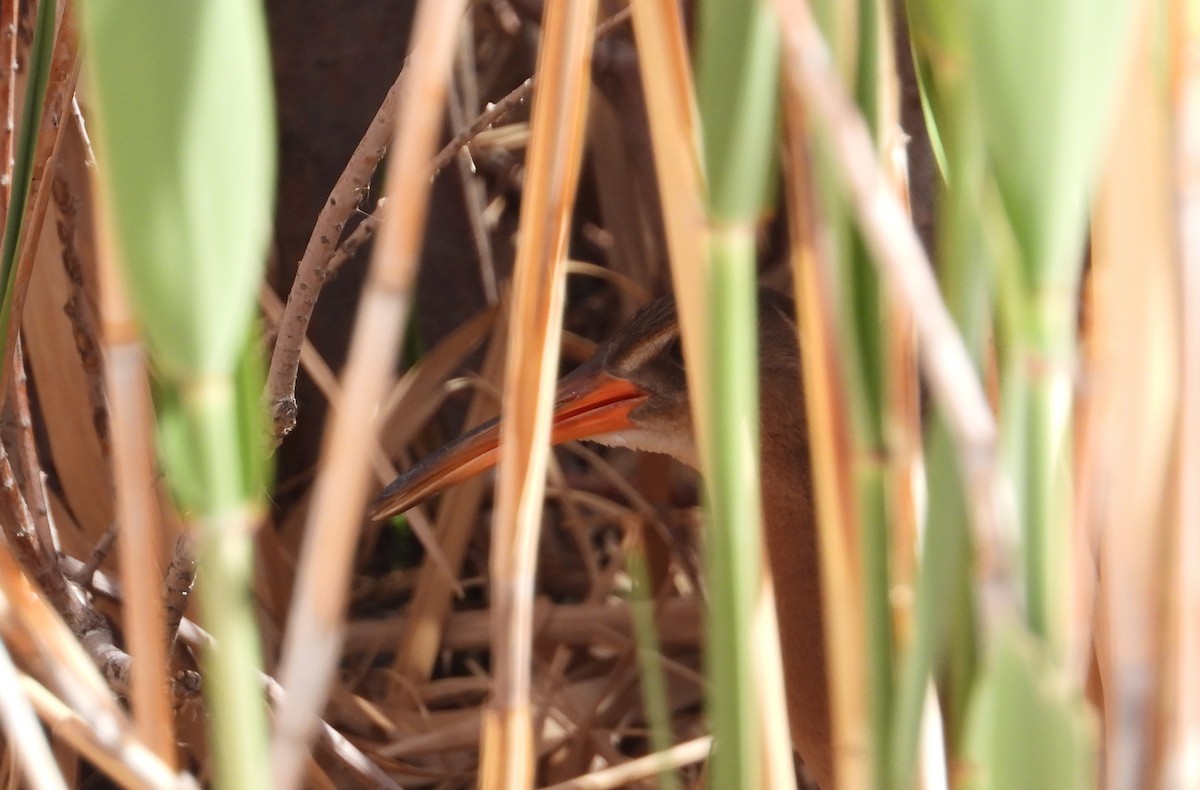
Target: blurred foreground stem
224, 534
736, 79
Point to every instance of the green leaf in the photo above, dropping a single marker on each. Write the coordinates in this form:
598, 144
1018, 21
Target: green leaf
186, 139
1027, 726
246, 467
737, 75
1046, 73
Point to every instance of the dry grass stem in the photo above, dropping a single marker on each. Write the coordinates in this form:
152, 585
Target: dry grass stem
23, 730
670, 103
833, 470
1182, 763
146, 623
551, 178
140, 541
463, 102
117, 754
494, 112
313, 642
1130, 418
418, 645
602, 625
642, 768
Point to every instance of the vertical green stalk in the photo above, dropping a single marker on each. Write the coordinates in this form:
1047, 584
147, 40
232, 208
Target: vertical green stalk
31, 115
1037, 408
654, 686
185, 143
872, 496
226, 553
737, 73
943, 608
733, 550
1045, 73
863, 342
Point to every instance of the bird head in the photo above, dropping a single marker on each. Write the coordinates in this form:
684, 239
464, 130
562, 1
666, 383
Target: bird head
632, 392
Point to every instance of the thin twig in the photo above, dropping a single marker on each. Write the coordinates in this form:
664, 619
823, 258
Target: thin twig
313, 268
491, 114
31, 475
34, 558
311, 274
353, 243
99, 553
178, 582
461, 101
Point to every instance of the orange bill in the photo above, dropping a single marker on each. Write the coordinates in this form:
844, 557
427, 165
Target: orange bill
589, 402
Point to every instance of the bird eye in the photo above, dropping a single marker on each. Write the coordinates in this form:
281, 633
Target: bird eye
675, 351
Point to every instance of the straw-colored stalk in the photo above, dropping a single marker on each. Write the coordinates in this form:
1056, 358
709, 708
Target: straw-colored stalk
828, 428
122, 758
22, 729
643, 768
313, 642
865, 340
551, 178
1130, 424
140, 542
1182, 764
667, 82
671, 105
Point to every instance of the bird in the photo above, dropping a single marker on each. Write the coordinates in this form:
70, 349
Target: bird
632, 392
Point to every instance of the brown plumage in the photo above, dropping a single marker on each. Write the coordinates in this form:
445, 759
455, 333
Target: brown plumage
633, 393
